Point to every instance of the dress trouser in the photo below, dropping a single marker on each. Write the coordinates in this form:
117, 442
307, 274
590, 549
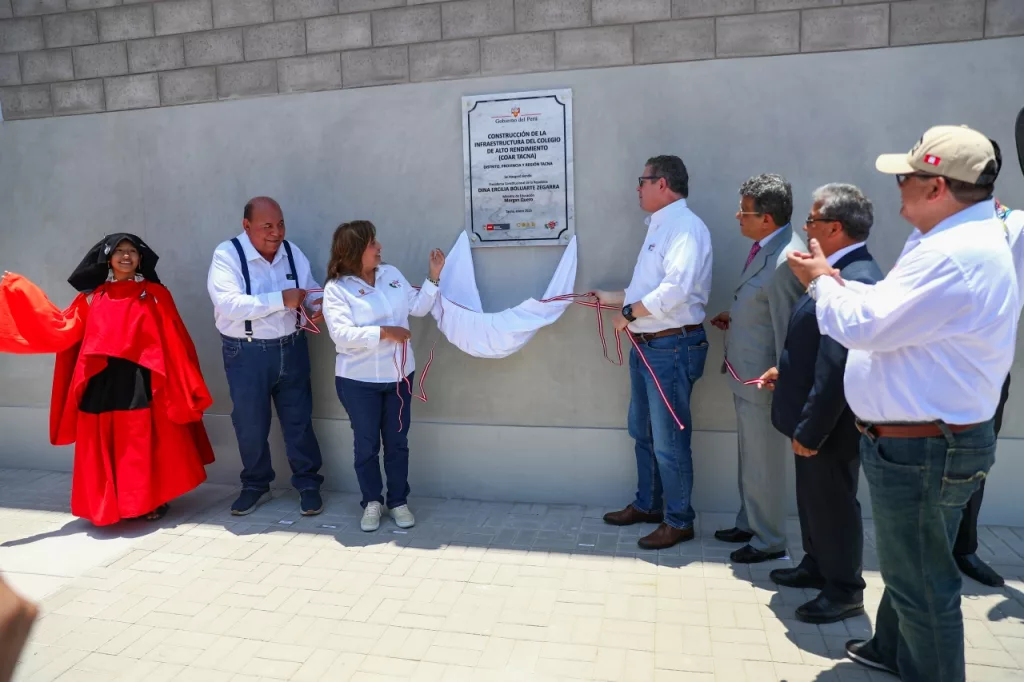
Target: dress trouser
830, 519
763, 453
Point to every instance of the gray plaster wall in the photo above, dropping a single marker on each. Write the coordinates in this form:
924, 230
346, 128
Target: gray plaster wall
69, 57
546, 424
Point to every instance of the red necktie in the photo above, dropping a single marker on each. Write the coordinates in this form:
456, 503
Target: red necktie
753, 252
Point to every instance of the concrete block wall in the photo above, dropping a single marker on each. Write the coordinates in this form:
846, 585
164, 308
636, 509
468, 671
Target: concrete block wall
62, 57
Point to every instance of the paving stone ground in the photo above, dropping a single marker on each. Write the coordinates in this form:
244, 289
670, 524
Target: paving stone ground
476, 591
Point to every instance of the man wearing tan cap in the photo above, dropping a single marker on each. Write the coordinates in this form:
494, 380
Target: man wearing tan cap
929, 348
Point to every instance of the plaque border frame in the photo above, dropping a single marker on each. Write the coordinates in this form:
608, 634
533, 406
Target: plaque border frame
563, 97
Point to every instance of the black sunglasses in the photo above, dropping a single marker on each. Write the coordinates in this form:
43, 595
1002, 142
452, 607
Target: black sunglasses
640, 180
902, 177
811, 219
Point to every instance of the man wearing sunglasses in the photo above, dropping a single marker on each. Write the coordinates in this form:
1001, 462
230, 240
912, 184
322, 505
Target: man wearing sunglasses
929, 348
663, 308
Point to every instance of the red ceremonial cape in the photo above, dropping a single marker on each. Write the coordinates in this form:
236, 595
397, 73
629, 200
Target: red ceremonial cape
127, 462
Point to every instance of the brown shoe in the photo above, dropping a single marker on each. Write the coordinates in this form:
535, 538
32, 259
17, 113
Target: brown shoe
664, 537
631, 515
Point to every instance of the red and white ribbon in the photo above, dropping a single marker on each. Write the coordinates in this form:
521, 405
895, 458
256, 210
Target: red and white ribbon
732, 372
588, 300
748, 382
307, 323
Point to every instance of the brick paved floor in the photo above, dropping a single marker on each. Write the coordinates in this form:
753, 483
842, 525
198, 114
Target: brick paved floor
476, 591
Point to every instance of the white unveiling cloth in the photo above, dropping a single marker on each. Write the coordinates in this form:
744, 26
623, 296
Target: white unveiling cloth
495, 335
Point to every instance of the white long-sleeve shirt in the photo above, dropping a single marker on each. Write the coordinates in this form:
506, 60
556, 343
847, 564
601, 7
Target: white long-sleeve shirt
672, 276
265, 307
934, 339
1014, 221
355, 312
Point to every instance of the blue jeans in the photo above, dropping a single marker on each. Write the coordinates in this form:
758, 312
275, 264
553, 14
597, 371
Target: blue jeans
664, 463
375, 412
919, 487
278, 369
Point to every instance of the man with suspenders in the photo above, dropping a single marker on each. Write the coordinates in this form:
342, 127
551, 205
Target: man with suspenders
257, 289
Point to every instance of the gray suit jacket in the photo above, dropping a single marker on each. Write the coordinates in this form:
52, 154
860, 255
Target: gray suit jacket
759, 316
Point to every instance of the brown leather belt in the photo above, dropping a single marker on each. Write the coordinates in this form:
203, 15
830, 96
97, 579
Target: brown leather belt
645, 338
927, 430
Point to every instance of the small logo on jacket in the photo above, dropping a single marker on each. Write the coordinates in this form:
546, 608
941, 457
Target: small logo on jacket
363, 292
651, 247
395, 284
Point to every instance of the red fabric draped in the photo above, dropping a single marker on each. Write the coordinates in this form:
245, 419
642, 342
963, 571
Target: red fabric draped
127, 463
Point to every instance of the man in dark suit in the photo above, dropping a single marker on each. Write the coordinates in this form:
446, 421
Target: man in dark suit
809, 407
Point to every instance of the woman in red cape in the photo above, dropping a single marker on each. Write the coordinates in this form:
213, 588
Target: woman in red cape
127, 388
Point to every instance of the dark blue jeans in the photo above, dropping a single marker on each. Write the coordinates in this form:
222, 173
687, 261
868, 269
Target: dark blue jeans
919, 487
375, 412
664, 462
277, 369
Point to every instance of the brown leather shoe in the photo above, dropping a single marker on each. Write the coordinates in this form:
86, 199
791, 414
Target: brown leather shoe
664, 537
631, 515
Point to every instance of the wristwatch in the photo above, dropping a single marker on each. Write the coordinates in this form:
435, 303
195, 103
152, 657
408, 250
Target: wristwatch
435, 282
627, 312
812, 288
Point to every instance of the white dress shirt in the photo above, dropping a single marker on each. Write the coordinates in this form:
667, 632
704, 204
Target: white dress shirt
1014, 222
355, 312
767, 239
672, 277
834, 258
265, 307
935, 338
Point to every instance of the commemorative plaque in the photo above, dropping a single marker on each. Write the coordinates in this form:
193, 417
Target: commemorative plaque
517, 149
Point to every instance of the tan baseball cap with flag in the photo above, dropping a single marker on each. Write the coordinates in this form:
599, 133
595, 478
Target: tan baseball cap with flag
955, 152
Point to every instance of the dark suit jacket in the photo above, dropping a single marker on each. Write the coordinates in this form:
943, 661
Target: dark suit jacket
809, 402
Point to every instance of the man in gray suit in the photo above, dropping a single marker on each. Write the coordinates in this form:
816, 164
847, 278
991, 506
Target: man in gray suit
755, 335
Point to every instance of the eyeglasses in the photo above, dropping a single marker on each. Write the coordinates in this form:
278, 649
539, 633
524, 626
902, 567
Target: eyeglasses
811, 219
742, 212
902, 177
640, 180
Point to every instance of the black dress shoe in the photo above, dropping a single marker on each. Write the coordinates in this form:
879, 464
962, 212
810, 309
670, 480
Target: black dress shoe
733, 535
748, 555
863, 651
798, 577
973, 567
821, 610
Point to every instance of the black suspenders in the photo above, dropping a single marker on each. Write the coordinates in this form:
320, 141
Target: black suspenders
248, 283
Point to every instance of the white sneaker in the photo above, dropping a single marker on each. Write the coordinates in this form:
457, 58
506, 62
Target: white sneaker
371, 517
403, 516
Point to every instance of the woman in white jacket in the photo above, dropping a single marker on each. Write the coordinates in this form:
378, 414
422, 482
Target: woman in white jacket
367, 305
